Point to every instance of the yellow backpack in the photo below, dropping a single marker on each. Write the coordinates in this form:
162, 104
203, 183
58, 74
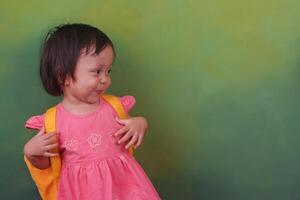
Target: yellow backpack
47, 179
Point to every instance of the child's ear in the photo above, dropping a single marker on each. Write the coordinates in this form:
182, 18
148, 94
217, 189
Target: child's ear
60, 79
67, 80
62, 82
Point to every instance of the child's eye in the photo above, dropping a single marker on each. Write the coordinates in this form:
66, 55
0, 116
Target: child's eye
99, 71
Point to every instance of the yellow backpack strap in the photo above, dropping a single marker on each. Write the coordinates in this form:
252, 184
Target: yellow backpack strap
49, 189
118, 107
50, 126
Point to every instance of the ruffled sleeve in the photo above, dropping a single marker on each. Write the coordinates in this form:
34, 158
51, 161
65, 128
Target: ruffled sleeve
128, 102
35, 122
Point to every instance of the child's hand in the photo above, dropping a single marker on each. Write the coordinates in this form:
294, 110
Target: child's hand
41, 144
133, 131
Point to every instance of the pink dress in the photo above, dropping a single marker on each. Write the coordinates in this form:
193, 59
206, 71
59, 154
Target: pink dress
94, 166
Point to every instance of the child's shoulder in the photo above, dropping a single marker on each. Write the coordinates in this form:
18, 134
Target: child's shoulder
35, 122
127, 101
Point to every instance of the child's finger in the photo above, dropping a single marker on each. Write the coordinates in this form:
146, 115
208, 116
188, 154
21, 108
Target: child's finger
41, 132
49, 154
50, 140
50, 146
121, 131
126, 137
49, 135
139, 142
132, 141
121, 121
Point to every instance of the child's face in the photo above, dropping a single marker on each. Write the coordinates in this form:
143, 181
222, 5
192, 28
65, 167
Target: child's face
91, 75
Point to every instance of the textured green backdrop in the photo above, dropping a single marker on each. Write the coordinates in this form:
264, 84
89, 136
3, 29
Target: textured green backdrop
219, 82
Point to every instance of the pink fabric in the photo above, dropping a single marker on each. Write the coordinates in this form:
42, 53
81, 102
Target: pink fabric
94, 166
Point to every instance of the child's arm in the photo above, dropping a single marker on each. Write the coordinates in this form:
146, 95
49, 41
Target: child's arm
133, 131
37, 149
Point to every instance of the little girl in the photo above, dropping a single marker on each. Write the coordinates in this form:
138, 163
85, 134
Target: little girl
93, 143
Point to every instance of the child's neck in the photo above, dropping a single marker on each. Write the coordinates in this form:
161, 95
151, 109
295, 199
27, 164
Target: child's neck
78, 107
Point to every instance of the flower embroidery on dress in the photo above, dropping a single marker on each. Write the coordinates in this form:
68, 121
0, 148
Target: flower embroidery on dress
94, 140
71, 145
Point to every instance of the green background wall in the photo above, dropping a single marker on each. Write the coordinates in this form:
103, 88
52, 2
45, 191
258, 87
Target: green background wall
219, 82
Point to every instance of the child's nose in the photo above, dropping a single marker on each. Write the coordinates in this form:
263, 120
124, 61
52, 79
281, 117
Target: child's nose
103, 78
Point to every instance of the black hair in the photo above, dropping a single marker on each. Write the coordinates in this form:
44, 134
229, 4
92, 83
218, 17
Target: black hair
62, 47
